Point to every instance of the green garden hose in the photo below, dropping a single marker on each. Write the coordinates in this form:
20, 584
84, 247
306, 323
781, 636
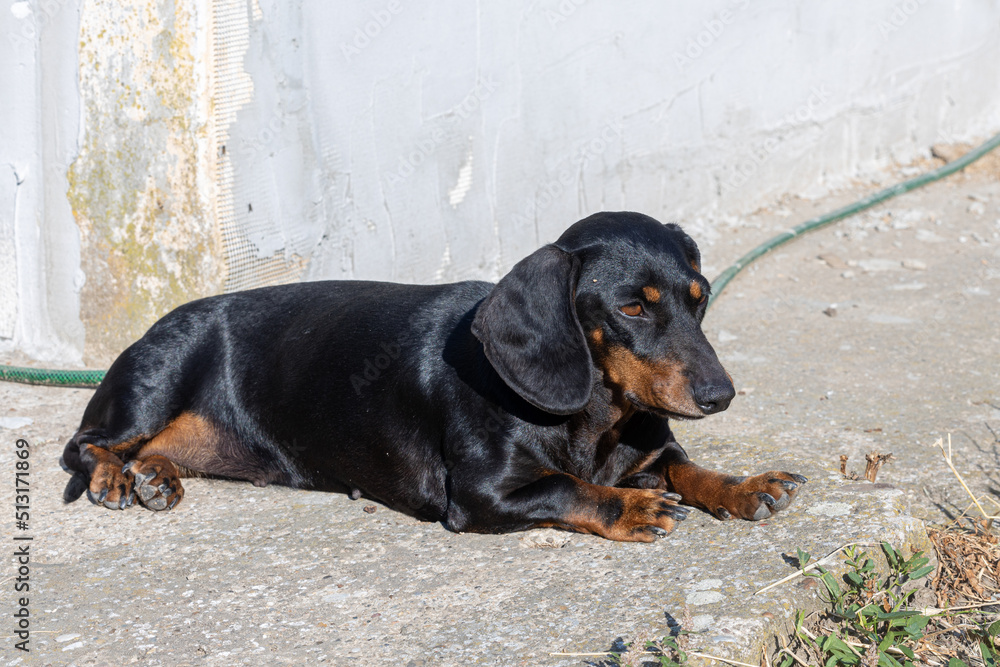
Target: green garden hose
92, 378
723, 278
51, 377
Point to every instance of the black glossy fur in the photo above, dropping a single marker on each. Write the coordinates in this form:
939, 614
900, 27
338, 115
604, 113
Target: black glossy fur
492, 408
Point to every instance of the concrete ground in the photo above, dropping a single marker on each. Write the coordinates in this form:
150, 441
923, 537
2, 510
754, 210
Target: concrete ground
879, 333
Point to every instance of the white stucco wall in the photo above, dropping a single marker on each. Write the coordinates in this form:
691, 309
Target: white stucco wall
425, 142
40, 275
443, 141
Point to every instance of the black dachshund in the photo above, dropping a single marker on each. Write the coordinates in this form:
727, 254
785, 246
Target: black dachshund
543, 400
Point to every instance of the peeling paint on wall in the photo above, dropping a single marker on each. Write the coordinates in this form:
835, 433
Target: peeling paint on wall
148, 238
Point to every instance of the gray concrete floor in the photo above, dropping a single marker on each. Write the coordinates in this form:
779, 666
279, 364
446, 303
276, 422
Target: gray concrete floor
241, 575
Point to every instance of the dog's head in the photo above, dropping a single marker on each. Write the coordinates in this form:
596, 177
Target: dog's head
619, 292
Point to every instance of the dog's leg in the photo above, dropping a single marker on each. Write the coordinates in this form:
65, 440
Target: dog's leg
727, 496
114, 469
563, 501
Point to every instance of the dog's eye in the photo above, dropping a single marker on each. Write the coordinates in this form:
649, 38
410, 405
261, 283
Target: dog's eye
632, 309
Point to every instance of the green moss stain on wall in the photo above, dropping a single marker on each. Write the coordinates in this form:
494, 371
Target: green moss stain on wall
140, 187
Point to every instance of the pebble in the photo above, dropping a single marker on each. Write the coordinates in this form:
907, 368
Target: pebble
829, 509
707, 584
878, 264
15, 423
726, 337
928, 236
701, 622
545, 539
704, 597
833, 261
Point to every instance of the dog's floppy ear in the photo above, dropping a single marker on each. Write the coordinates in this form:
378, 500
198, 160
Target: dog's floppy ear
532, 336
691, 253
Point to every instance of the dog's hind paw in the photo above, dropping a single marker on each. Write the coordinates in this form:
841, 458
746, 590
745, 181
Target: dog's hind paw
157, 482
109, 485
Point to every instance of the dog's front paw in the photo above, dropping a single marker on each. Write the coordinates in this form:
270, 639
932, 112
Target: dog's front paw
758, 497
642, 515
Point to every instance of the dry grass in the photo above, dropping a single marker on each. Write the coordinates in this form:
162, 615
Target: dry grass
965, 586
968, 564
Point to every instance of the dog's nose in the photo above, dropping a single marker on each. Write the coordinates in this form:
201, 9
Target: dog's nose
714, 397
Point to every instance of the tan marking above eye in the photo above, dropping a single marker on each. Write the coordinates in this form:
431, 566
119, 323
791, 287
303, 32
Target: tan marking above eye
695, 290
651, 293
632, 310
694, 265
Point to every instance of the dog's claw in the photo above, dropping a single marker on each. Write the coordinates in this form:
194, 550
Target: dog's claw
676, 513
723, 513
672, 496
767, 501
657, 531
786, 485
104, 494
798, 478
